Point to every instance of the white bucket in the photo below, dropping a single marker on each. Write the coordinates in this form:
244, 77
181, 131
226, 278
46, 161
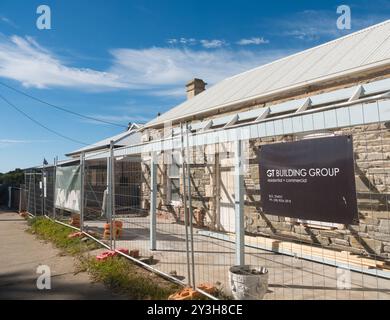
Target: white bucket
248, 282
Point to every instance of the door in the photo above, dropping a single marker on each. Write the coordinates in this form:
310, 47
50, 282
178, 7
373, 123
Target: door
226, 205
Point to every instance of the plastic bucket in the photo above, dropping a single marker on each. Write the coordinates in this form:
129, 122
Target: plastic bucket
248, 282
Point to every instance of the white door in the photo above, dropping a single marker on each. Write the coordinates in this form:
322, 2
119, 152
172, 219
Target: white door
226, 205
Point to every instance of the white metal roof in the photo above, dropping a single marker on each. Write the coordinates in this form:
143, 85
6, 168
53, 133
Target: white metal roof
298, 105
327, 111
358, 51
127, 138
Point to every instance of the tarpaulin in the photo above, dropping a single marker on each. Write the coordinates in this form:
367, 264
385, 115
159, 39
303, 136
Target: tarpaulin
67, 188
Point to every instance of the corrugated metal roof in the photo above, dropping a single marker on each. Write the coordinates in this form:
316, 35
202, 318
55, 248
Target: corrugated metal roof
361, 50
126, 138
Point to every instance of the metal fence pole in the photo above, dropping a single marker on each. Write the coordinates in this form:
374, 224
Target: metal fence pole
35, 196
29, 193
82, 189
20, 199
239, 205
191, 213
185, 204
9, 197
43, 189
113, 199
54, 187
153, 201
109, 203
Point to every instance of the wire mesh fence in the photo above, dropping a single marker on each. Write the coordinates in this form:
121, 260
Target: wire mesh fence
178, 211
33, 185
48, 181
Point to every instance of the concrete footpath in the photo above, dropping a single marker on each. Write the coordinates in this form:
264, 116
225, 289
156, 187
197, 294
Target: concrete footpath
20, 255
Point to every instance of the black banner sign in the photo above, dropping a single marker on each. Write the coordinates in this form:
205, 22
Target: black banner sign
310, 179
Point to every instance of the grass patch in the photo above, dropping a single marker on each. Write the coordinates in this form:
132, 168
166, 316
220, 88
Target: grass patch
124, 277
119, 274
58, 234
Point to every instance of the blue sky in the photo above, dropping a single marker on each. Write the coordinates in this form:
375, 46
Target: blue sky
125, 61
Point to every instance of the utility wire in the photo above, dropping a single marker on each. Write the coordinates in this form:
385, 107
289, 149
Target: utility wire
40, 124
60, 108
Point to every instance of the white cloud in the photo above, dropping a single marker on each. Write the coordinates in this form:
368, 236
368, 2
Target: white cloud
183, 41
314, 25
120, 119
205, 43
8, 21
190, 41
24, 60
211, 44
172, 41
252, 41
216, 43
157, 71
166, 70
173, 93
11, 142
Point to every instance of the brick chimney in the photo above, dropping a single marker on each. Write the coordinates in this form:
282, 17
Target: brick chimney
194, 87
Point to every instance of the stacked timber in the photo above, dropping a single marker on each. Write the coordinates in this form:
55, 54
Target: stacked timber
316, 253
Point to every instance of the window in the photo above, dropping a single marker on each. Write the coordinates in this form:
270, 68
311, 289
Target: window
174, 178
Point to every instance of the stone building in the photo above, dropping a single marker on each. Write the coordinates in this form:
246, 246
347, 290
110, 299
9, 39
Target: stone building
127, 174
340, 87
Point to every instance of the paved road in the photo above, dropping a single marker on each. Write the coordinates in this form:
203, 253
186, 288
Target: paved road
20, 255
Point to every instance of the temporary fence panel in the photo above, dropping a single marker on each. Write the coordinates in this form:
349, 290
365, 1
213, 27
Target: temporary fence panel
34, 191
48, 190
131, 215
308, 259
190, 207
96, 198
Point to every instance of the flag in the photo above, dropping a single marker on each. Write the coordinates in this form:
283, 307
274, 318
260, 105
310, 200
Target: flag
45, 163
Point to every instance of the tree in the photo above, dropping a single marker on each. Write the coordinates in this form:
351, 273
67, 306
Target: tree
12, 178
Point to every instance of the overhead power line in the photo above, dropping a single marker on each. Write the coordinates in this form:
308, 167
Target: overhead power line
41, 124
61, 108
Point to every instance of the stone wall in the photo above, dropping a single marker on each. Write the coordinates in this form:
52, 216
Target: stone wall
202, 175
372, 168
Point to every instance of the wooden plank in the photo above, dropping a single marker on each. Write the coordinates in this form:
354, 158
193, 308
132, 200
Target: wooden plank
294, 248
